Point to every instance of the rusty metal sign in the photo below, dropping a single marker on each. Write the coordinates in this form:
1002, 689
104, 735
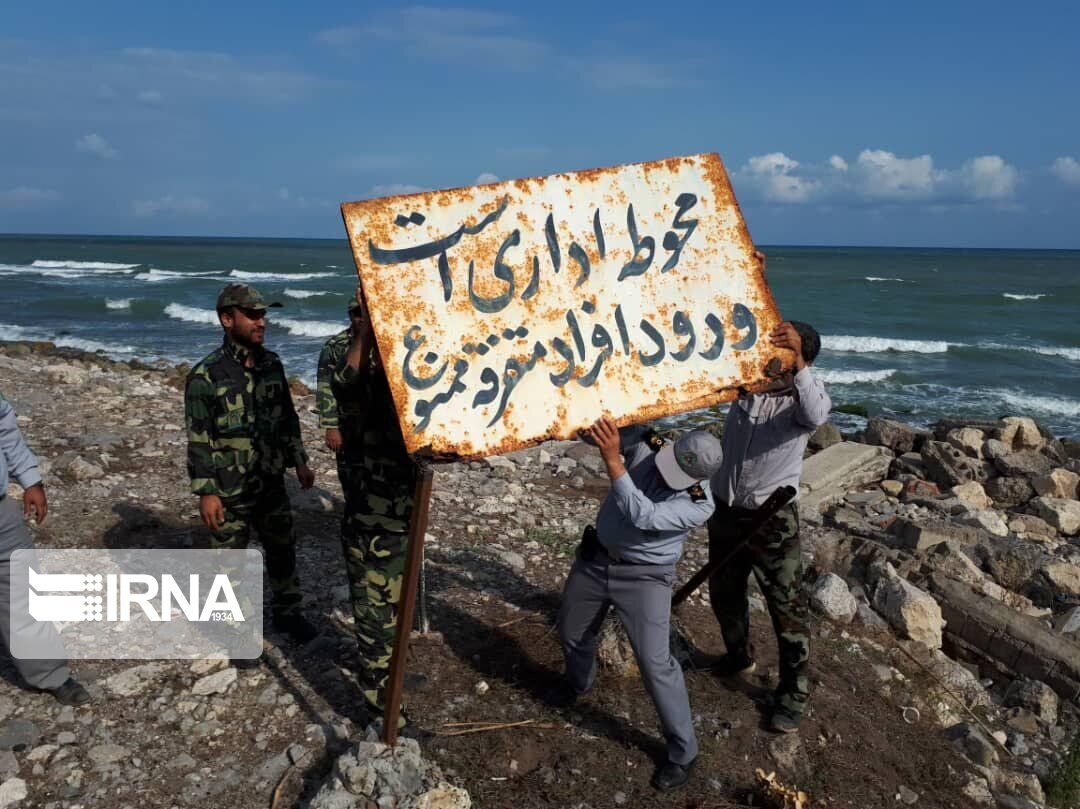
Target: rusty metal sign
511, 313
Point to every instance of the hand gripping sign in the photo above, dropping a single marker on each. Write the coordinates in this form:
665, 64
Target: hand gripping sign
516, 312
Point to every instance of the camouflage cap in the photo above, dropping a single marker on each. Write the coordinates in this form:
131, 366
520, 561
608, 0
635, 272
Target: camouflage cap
244, 296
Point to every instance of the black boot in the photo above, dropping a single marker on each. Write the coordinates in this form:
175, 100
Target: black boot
70, 692
669, 775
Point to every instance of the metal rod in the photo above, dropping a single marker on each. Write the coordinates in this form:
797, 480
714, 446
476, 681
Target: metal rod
406, 604
422, 622
777, 500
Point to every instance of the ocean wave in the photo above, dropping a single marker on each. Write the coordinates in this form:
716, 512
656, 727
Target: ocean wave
108, 266
118, 303
838, 377
154, 275
876, 278
1015, 297
191, 314
308, 328
279, 276
877, 345
1067, 352
307, 293
1047, 405
9, 331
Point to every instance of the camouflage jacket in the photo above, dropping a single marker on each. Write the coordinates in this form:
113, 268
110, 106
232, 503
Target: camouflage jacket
358, 403
240, 421
336, 397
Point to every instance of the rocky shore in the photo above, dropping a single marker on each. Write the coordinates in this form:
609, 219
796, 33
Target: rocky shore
942, 564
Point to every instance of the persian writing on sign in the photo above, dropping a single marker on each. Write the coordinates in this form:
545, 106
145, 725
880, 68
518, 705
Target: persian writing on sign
511, 313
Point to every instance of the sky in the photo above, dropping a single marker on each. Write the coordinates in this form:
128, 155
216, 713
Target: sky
848, 123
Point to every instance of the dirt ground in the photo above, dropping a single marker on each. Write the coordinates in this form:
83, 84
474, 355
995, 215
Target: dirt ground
491, 622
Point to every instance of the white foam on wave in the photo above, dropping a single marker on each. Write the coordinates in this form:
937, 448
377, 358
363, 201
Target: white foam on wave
301, 294
1015, 297
839, 377
1067, 352
1047, 405
191, 314
9, 331
118, 303
108, 266
876, 278
154, 275
279, 276
308, 328
877, 345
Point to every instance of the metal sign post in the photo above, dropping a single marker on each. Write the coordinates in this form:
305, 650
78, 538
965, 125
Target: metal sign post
407, 603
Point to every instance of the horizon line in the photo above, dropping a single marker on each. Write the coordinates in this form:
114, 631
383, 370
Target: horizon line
4, 235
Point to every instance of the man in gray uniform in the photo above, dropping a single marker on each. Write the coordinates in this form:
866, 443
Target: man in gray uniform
628, 562
765, 436
18, 462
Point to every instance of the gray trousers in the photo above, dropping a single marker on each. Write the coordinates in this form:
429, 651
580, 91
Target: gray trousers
641, 595
14, 536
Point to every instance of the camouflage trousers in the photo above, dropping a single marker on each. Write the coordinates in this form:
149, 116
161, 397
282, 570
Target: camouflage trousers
374, 537
265, 507
774, 557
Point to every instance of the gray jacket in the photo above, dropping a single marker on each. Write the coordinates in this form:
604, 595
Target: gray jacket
16, 459
764, 440
641, 520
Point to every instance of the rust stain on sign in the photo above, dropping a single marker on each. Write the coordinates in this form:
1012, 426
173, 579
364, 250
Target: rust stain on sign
511, 313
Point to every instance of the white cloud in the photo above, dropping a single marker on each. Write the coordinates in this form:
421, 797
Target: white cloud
177, 73
635, 74
773, 175
151, 98
447, 34
22, 197
170, 204
988, 178
838, 163
485, 178
96, 145
883, 176
394, 190
1067, 169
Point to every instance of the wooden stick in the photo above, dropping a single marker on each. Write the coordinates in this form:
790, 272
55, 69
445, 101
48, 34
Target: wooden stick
777, 500
407, 603
485, 728
956, 698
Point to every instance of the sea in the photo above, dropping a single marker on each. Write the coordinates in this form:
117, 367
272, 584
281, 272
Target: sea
916, 334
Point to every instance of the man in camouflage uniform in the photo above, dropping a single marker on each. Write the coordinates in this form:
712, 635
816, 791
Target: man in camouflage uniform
378, 479
764, 438
243, 433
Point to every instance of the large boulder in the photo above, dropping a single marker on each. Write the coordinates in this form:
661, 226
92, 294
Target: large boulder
825, 436
1026, 463
919, 536
909, 610
1020, 433
1063, 514
1034, 696
987, 519
831, 597
1059, 483
895, 435
992, 448
1063, 577
1009, 492
968, 440
948, 466
1028, 526
972, 494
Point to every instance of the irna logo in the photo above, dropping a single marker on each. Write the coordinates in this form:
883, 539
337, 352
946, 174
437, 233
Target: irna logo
111, 597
